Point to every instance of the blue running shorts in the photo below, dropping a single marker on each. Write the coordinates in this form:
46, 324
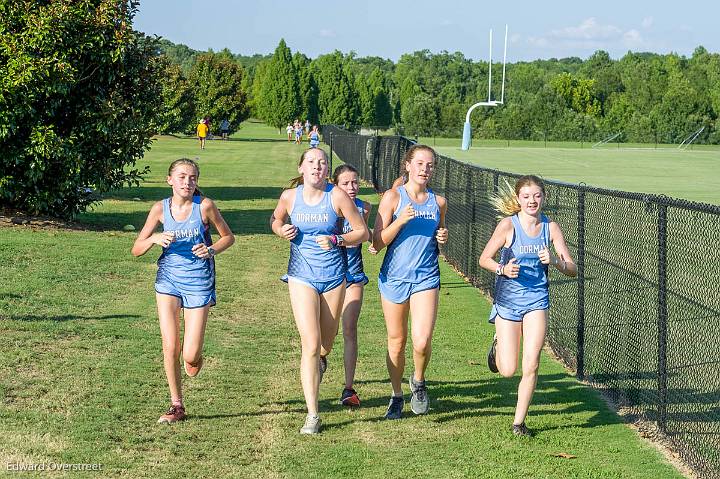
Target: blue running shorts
398, 291
188, 299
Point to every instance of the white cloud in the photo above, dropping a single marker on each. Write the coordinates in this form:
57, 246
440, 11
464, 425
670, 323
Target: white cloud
589, 29
590, 35
633, 39
647, 22
325, 33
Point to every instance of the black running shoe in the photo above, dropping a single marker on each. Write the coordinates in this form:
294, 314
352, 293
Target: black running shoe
394, 410
492, 364
322, 366
521, 430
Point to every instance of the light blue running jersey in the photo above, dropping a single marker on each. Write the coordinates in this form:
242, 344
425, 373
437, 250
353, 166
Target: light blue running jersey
531, 286
413, 254
307, 259
354, 253
177, 263
314, 139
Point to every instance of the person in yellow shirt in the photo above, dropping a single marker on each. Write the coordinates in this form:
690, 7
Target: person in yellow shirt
202, 131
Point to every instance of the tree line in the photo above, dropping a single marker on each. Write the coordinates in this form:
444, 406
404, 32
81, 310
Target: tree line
646, 97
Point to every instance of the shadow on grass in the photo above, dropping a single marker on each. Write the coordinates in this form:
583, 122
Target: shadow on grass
459, 284
218, 139
241, 222
67, 317
216, 193
249, 414
490, 397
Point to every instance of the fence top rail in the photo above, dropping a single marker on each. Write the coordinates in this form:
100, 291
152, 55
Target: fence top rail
650, 198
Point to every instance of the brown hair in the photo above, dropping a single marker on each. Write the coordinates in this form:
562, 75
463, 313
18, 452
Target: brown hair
342, 169
186, 161
298, 180
410, 153
505, 200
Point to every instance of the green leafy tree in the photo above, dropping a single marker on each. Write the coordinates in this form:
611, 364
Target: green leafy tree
336, 95
178, 110
278, 100
420, 115
179, 54
79, 95
216, 82
307, 88
254, 95
378, 111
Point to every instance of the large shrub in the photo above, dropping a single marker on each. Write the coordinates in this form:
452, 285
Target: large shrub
79, 92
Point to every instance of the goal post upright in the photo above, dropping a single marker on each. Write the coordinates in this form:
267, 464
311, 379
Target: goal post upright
467, 129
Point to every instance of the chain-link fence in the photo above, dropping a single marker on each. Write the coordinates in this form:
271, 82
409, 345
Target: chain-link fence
641, 320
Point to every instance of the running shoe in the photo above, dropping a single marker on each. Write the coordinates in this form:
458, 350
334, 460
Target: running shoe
192, 370
492, 352
312, 425
521, 430
394, 410
349, 398
419, 402
174, 414
322, 366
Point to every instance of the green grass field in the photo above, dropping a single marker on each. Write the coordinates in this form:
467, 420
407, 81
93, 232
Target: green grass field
689, 174
81, 374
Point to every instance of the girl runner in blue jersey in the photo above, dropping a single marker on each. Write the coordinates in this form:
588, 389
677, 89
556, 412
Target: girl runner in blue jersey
411, 223
521, 302
186, 272
317, 265
314, 137
346, 178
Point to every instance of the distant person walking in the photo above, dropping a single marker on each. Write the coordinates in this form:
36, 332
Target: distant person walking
202, 133
209, 128
289, 129
521, 303
225, 128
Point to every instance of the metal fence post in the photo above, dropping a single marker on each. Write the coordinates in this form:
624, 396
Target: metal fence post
662, 317
331, 153
580, 367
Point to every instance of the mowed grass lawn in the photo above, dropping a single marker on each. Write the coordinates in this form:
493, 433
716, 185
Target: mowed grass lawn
81, 375
690, 174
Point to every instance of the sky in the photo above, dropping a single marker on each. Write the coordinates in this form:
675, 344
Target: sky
388, 29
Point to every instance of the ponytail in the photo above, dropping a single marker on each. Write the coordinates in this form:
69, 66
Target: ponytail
505, 200
297, 181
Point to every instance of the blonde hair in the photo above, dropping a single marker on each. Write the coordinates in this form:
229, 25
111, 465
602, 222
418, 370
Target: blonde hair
505, 200
186, 161
298, 180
